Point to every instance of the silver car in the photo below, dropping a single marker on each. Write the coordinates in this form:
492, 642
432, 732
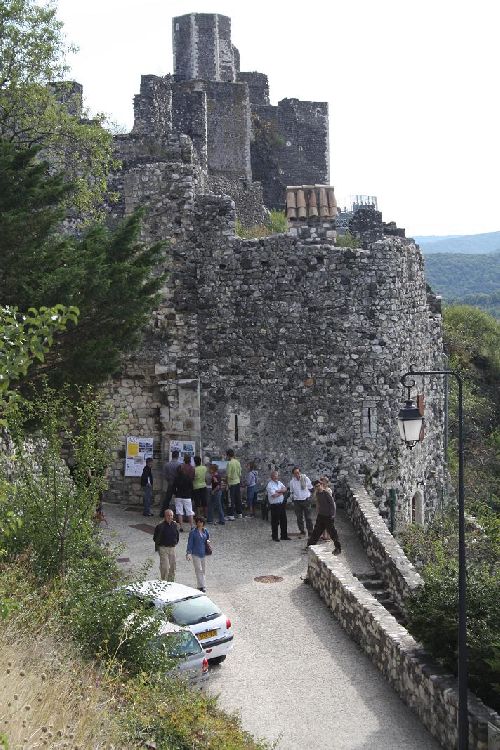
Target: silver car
185, 651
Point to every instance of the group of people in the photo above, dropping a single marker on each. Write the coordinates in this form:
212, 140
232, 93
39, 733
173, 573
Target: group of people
201, 485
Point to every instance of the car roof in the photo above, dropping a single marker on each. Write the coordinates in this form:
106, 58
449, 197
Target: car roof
163, 592
171, 627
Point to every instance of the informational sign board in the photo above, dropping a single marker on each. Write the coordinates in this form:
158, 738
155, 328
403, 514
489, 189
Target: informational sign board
138, 450
183, 446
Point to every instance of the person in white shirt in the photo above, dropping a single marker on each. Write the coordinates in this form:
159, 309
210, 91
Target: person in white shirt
300, 492
276, 491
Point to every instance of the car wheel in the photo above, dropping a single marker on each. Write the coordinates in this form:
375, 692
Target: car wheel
217, 660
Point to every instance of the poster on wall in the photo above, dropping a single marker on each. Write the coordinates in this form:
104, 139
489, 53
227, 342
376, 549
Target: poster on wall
138, 450
183, 446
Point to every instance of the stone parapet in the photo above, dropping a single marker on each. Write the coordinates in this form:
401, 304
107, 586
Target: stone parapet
427, 689
383, 551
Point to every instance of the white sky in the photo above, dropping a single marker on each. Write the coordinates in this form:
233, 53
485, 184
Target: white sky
412, 86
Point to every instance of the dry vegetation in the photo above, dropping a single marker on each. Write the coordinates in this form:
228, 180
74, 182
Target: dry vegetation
49, 698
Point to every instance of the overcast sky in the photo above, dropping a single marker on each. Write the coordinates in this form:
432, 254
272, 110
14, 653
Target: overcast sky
412, 87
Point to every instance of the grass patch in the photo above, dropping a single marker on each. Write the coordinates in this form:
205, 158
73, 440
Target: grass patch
276, 224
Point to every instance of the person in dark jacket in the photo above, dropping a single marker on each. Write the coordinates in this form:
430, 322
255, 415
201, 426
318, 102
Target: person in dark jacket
183, 491
325, 519
147, 487
170, 471
166, 538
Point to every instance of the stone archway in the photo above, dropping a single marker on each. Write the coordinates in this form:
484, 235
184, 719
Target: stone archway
417, 508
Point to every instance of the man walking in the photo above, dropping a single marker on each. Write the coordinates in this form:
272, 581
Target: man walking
147, 487
275, 494
325, 519
234, 485
183, 491
300, 491
166, 538
170, 472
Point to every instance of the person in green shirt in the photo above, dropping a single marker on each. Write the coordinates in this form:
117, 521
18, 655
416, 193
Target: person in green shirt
234, 484
200, 487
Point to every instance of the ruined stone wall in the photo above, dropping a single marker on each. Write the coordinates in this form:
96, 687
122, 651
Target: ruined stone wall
305, 343
202, 47
156, 395
189, 116
290, 147
258, 87
228, 129
153, 106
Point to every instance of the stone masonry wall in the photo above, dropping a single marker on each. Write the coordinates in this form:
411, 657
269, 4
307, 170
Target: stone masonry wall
383, 551
304, 343
202, 47
228, 129
429, 691
290, 147
156, 395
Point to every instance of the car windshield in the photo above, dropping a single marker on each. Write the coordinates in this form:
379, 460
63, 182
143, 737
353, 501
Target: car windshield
193, 611
179, 644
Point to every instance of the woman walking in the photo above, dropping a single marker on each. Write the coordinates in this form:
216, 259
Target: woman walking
197, 547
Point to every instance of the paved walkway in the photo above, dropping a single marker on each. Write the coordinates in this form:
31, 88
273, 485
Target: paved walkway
293, 675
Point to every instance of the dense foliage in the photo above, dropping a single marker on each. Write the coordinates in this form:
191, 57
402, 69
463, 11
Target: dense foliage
489, 303
32, 55
108, 274
56, 499
456, 276
473, 344
472, 340
432, 612
24, 338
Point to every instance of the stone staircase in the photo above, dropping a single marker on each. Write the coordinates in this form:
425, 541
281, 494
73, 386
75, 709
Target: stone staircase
375, 585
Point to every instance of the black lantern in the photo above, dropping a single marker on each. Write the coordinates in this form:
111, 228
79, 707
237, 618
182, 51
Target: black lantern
410, 421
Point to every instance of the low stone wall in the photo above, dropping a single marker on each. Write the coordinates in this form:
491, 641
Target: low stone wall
383, 551
429, 691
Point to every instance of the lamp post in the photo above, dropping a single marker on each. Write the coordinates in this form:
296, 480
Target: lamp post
410, 422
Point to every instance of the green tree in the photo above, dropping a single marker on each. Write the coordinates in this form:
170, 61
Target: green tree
56, 498
472, 340
24, 338
108, 274
32, 56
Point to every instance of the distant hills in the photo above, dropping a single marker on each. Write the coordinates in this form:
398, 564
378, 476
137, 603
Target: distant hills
470, 244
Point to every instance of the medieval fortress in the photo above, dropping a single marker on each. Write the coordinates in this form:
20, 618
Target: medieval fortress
288, 348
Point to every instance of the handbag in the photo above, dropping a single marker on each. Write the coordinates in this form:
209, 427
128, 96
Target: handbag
208, 547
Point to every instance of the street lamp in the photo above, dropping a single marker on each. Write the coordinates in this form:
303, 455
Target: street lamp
409, 427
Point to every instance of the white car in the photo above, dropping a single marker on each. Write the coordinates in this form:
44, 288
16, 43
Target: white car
190, 608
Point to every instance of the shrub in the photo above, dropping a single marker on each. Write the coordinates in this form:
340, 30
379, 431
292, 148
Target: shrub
106, 621
55, 504
276, 223
347, 240
433, 610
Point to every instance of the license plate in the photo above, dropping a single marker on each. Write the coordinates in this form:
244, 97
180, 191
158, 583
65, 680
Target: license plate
207, 634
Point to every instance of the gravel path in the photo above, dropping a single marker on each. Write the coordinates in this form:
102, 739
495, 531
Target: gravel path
293, 676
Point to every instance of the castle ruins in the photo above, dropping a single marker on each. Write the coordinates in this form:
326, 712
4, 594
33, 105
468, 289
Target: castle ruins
288, 348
